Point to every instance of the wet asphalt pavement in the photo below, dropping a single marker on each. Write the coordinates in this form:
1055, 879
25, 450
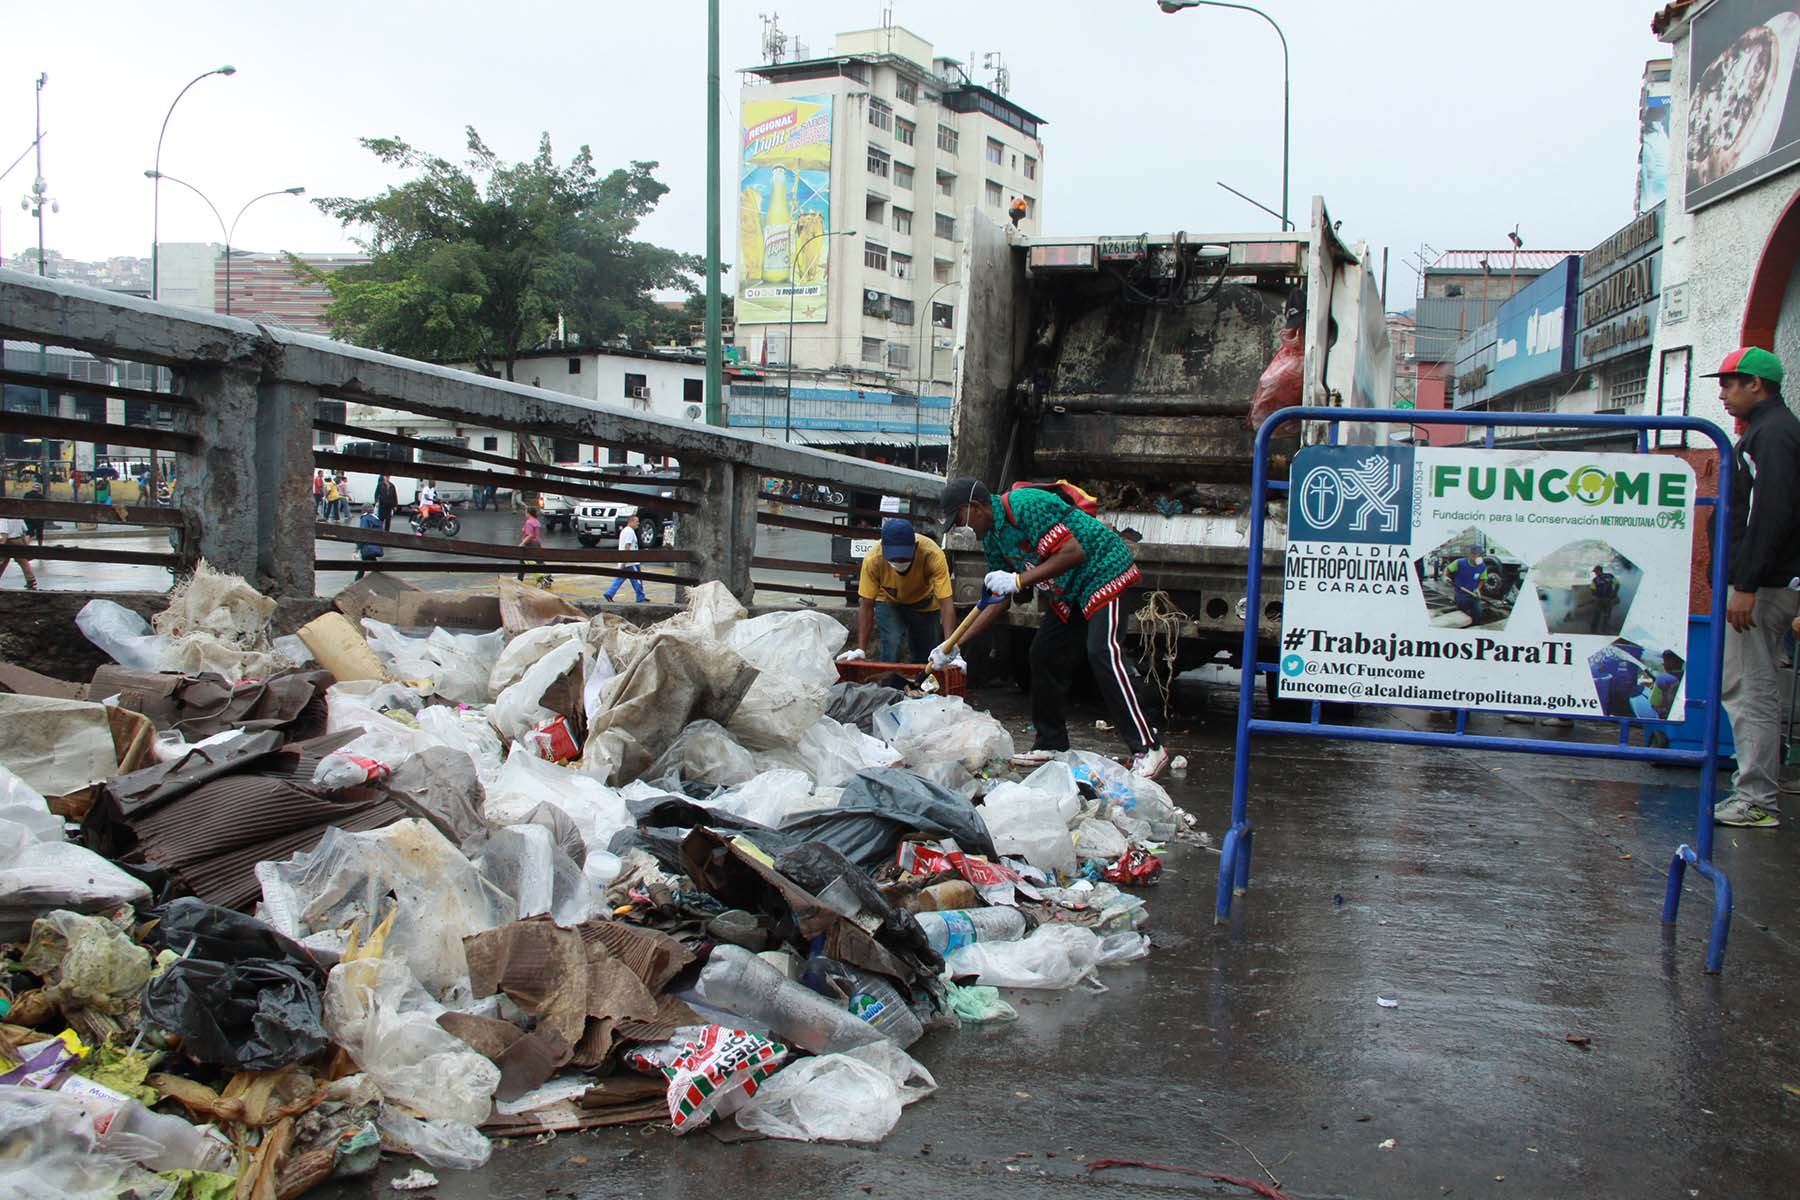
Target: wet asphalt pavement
1505, 902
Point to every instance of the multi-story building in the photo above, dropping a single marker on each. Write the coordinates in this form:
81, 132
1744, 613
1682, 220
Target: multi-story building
266, 289
858, 172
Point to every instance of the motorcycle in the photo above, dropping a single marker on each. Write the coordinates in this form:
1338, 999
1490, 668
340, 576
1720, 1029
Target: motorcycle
436, 516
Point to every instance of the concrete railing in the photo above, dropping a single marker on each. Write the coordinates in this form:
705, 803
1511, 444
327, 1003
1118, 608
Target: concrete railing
248, 398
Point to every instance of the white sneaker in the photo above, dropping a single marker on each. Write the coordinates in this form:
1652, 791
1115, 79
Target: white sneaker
1150, 763
1034, 758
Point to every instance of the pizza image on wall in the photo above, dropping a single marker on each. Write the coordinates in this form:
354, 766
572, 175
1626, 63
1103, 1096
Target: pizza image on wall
1739, 99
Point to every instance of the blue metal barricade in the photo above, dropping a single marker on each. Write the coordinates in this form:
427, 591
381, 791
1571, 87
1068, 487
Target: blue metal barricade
1234, 860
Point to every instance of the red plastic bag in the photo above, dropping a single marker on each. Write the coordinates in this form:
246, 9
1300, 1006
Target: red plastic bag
1135, 867
1280, 385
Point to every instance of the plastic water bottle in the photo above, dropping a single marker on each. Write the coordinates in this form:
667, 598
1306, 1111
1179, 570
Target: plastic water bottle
130, 1130
735, 983
948, 931
870, 997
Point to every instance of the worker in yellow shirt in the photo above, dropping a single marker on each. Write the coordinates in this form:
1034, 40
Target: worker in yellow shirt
905, 581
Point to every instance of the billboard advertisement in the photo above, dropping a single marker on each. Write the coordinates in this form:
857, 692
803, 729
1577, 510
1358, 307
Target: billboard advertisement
1743, 111
1653, 136
784, 210
1522, 580
1531, 339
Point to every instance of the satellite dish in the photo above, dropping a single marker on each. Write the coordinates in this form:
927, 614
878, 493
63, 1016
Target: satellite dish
695, 412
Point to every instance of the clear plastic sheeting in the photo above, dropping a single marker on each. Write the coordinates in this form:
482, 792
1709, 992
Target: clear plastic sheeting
379, 1013
1027, 823
795, 653
526, 781
410, 869
457, 665
39, 875
525, 863
123, 635
832, 754
52, 1151
519, 654
467, 730
704, 752
1053, 958
520, 708
940, 729
829, 1098
447, 1145
21, 804
771, 798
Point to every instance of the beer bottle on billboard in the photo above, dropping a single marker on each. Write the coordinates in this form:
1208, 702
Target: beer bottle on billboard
777, 230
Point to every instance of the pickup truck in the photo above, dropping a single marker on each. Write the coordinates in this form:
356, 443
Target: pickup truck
596, 520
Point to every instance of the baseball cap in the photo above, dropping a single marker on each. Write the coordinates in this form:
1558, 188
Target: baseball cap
897, 538
964, 489
1749, 360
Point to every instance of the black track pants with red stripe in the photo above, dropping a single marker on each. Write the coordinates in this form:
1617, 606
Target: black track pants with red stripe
1056, 649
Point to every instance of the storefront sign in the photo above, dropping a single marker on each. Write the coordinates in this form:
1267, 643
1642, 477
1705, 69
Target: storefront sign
1533, 581
1532, 341
1620, 280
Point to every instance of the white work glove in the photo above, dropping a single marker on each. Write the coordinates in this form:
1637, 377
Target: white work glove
851, 656
946, 656
1001, 583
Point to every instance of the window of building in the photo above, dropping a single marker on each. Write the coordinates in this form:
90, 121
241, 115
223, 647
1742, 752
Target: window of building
1030, 208
940, 270
1030, 167
943, 315
902, 265
899, 355
945, 227
875, 209
875, 255
490, 443
902, 220
875, 304
946, 139
996, 153
903, 176
880, 115
902, 311
565, 450
636, 386
904, 131
994, 194
907, 90
871, 350
857, 71
878, 162
615, 454
946, 185
574, 366
693, 391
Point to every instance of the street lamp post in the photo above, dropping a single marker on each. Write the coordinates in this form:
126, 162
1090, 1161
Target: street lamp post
1171, 6
228, 230
156, 173
787, 431
927, 360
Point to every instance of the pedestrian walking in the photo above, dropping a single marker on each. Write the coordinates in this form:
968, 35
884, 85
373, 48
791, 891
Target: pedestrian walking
1763, 556
628, 540
102, 489
13, 541
387, 498
333, 499
368, 552
905, 584
318, 495
531, 533
1035, 540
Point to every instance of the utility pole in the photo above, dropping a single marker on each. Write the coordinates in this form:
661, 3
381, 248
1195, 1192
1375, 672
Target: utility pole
715, 347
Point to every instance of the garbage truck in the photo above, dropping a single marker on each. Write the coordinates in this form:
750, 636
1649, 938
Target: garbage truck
1128, 365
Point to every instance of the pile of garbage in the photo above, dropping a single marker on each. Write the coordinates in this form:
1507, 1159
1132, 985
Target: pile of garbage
266, 918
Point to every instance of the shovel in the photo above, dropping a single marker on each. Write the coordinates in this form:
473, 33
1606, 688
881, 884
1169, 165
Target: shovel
927, 682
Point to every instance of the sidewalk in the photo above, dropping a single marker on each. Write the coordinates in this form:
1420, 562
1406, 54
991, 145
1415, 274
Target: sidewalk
1505, 902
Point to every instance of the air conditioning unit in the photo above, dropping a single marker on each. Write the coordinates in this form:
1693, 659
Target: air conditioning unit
640, 393
871, 295
695, 412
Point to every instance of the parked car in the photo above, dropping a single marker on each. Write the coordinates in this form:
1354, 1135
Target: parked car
596, 520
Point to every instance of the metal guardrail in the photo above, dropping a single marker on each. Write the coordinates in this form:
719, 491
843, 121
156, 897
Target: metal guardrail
245, 408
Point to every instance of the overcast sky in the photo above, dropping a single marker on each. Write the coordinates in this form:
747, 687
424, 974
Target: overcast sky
1439, 121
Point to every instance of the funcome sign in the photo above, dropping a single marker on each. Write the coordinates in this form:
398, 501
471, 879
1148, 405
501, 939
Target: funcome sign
1532, 581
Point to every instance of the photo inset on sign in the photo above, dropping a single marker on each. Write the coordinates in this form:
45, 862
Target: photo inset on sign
1470, 581
1586, 587
1636, 679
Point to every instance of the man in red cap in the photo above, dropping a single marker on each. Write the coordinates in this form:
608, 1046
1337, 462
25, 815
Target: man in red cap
1764, 557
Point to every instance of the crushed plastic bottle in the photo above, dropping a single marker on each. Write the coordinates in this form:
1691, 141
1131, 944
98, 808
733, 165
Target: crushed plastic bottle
740, 985
950, 931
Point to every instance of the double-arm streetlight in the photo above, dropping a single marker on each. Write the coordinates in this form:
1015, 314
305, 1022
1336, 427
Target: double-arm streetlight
227, 230
787, 432
156, 175
927, 368
1172, 6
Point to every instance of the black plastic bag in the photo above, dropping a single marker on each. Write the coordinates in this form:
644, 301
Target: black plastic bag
880, 806
255, 1015
819, 869
243, 996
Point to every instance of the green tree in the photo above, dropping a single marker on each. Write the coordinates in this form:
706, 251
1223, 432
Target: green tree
475, 262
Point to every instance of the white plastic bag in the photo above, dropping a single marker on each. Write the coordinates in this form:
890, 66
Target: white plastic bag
21, 803
519, 709
796, 655
830, 1097
935, 729
468, 730
704, 753
524, 650
527, 781
1053, 957
1099, 839
1056, 779
123, 634
447, 1145
1026, 822
384, 1019
39, 875
832, 753
769, 799
457, 664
